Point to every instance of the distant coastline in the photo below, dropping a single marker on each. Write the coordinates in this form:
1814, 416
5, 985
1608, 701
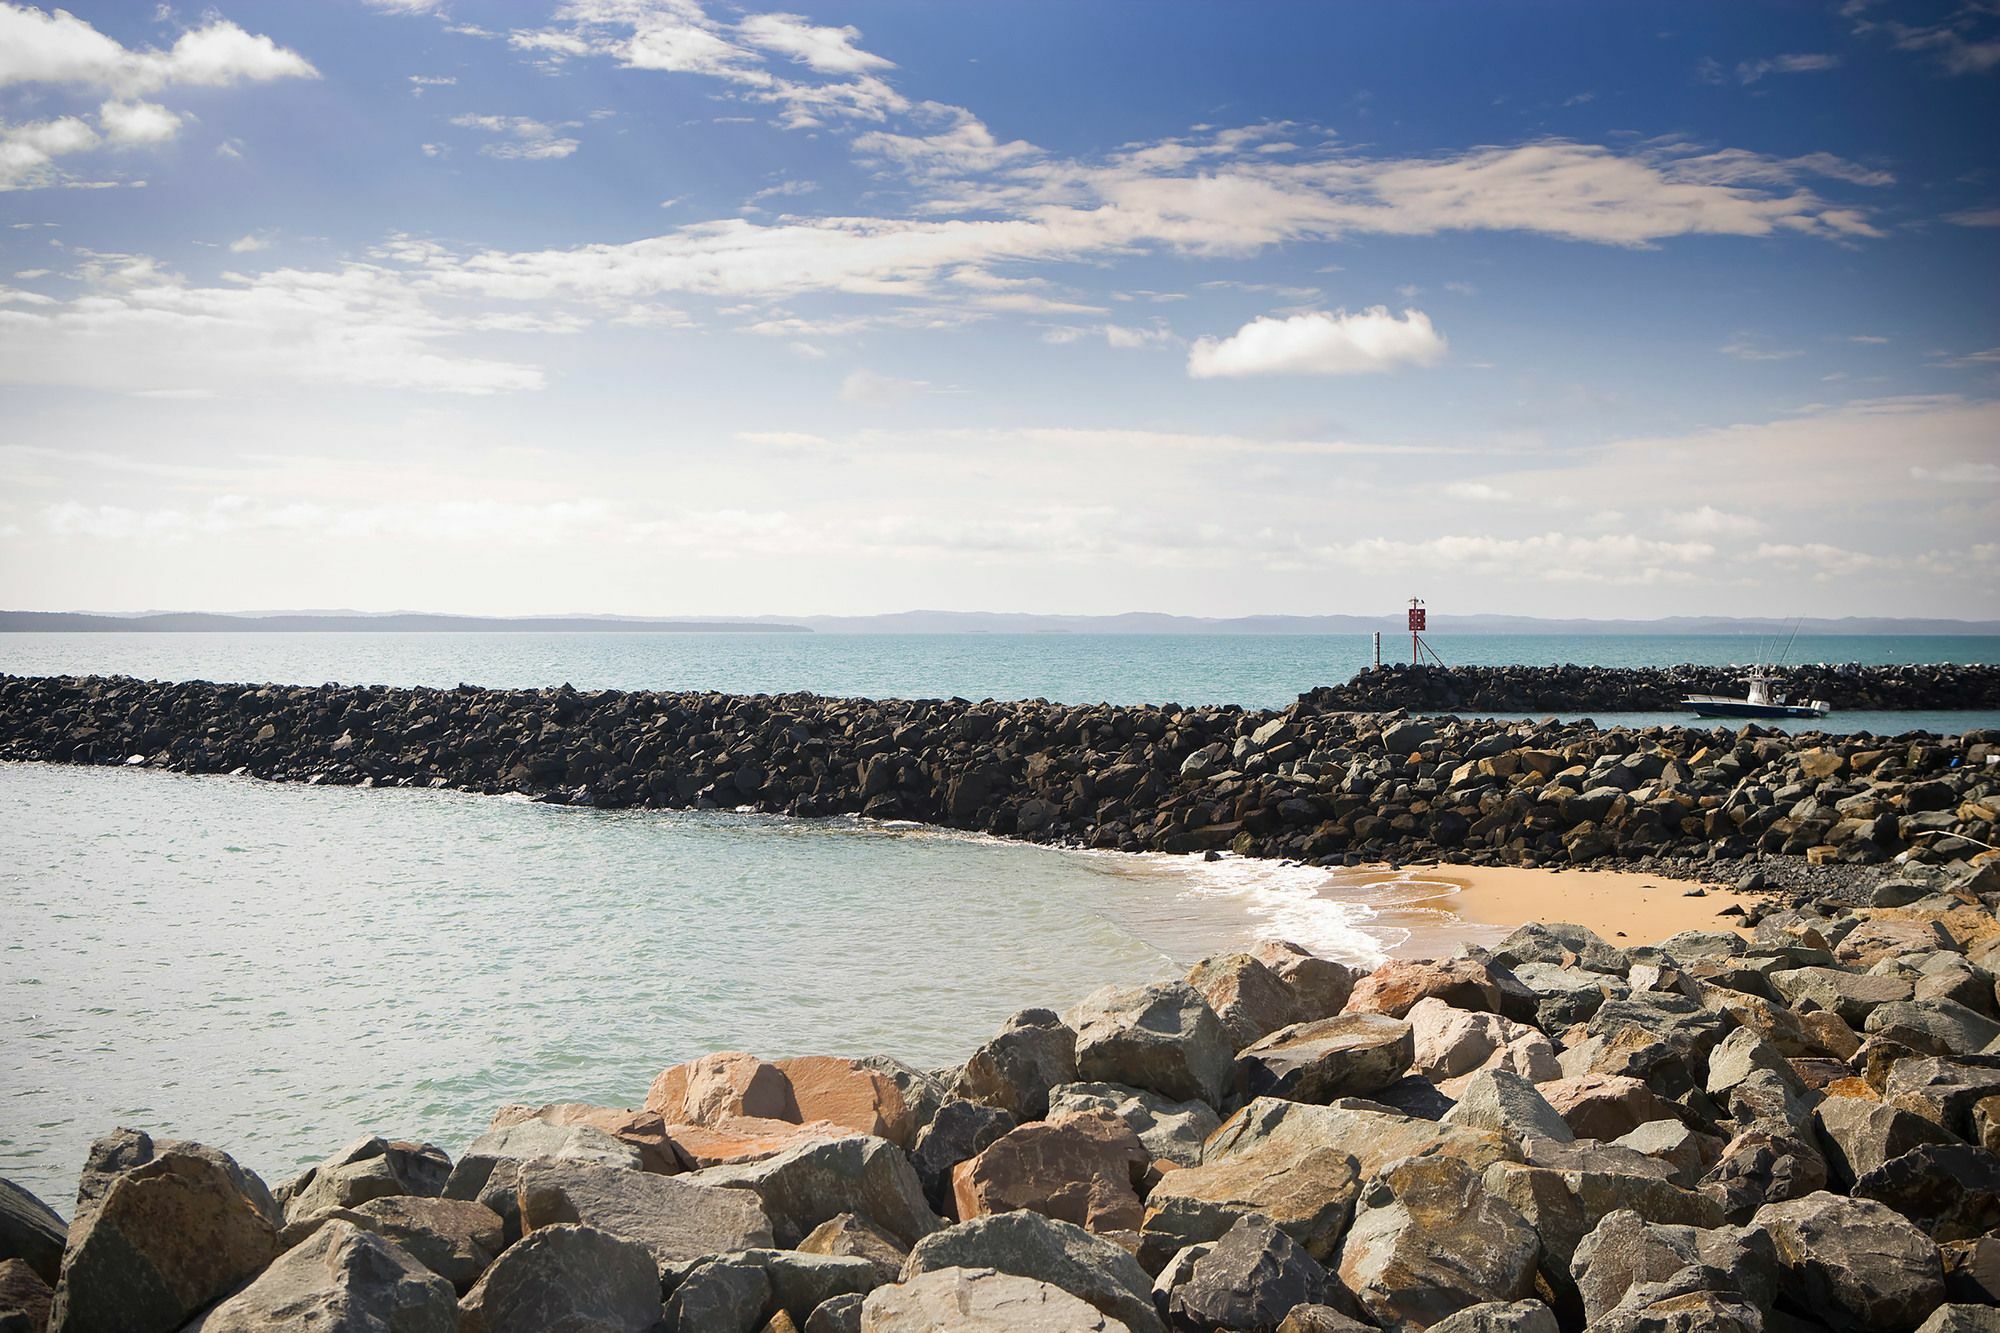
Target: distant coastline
198, 622
965, 622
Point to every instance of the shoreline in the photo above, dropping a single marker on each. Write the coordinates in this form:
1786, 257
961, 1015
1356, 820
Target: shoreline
1628, 907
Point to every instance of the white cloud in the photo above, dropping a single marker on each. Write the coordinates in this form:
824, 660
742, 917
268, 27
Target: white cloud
1974, 217
1478, 491
1122, 336
1321, 344
1802, 63
137, 328
60, 48
828, 50
1960, 474
137, 122
865, 386
420, 82
1708, 521
243, 245
1956, 52
28, 151
537, 141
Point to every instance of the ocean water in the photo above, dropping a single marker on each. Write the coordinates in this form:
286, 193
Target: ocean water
1256, 671
276, 969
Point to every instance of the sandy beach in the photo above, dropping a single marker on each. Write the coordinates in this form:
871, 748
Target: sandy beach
1625, 907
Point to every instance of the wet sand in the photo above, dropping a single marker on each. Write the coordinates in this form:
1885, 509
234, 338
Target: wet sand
1625, 907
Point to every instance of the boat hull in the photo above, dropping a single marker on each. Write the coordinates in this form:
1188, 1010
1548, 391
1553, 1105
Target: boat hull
1720, 707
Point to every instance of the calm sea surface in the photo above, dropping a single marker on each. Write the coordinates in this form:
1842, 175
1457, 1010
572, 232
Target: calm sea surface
276, 969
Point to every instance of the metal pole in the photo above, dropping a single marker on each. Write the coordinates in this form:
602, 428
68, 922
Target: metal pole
1378, 650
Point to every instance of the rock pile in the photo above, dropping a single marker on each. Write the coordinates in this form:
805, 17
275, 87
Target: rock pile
1575, 689
1309, 783
1790, 1130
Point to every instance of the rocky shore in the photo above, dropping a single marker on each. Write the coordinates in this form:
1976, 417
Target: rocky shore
1791, 1130
1575, 689
1312, 782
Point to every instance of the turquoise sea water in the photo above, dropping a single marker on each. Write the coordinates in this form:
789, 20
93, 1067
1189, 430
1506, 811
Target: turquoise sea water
1257, 671
276, 970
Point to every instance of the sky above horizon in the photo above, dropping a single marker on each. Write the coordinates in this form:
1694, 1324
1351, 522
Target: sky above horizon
666, 307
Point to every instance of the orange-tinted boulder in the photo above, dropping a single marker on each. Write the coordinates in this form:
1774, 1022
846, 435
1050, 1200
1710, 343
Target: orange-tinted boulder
1464, 983
727, 1083
847, 1092
733, 1140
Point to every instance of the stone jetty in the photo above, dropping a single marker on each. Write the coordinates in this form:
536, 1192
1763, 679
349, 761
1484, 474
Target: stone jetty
1787, 1130
1577, 689
1314, 782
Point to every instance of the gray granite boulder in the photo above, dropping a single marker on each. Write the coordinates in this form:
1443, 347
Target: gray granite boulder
1951, 1190
1853, 1263
1498, 1099
1248, 1280
1163, 1038
1500, 1317
1014, 1071
1251, 1000
960, 1130
806, 1185
1350, 1055
1029, 1245
980, 1300
368, 1168
31, 1231
674, 1219
1428, 1240
454, 1238
1172, 1131
566, 1277
162, 1241
341, 1280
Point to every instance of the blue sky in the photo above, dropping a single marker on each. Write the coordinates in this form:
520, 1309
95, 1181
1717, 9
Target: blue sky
655, 306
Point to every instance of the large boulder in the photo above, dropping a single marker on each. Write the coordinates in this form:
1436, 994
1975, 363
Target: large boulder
31, 1231
1933, 1026
1349, 1055
804, 1186
1503, 1101
368, 1168
1464, 983
489, 1171
1852, 995
1030, 1245
723, 1084
1428, 1240
644, 1130
853, 1237
1449, 1044
1014, 1072
566, 1277
738, 1292
1624, 1250
1951, 1190
1163, 1038
1761, 1166
454, 1238
1604, 1106
1319, 986
24, 1298
1082, 1167
118, 1152
960, 1130
1299, 1165
1251, 1000
1853, 1263
165, 1239
342, 1280
980, 1300
1248, 1281
1500, 1317
855, 1094
735, 1140
675, 1220
1858, 1134
1561, 944
1171, 1131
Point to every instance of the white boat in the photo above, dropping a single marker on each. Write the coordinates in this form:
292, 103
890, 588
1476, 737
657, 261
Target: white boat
1763, 700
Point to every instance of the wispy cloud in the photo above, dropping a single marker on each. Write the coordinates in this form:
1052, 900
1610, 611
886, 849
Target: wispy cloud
1321, 343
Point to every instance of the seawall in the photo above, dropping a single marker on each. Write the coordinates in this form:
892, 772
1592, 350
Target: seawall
1577, 689
1310, 782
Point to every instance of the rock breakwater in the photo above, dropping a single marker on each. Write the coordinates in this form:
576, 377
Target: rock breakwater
1716, 1134
1311, 782
1577, 689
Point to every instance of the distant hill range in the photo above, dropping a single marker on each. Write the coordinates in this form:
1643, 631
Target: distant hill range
182, 622
959, 622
